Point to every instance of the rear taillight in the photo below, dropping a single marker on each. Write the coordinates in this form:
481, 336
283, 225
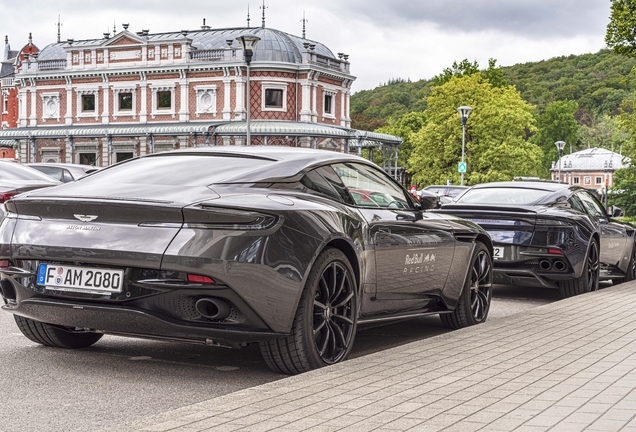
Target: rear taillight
200, 279
4, 264
6, 197
555, 251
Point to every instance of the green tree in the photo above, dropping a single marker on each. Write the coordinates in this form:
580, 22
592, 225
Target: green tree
556, 124
621, 30
404, 127
624, 190
496, 147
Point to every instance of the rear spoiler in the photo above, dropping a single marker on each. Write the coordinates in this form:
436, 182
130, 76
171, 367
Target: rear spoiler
485, 207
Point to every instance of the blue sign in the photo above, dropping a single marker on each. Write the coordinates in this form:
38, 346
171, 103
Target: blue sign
461, 167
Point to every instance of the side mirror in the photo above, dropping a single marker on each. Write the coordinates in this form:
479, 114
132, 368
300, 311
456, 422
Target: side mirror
429, 200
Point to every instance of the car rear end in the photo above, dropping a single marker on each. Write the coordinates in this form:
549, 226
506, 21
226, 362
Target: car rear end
533, 246
164, 257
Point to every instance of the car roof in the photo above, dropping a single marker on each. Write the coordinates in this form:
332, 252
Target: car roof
540, 185
288, 163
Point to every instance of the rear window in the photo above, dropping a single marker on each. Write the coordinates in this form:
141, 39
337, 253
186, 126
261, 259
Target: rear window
503, 196
15, 172
174, 170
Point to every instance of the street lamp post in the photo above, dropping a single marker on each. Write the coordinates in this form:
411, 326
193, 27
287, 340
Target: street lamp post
559, 145
607, 169
248, 43
464, 112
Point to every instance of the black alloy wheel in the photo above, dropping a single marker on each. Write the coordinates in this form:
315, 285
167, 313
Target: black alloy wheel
588, 281
325, 324
474, 304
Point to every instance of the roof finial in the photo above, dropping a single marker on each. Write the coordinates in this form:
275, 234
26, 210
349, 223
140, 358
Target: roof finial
304, 20
59, 33
248, 15
114, 28
264, 7
30, 39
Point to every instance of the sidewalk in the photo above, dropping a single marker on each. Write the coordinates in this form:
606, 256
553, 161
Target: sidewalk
566, 366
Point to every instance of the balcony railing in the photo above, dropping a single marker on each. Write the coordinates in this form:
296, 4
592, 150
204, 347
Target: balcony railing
7, 82
329, 62
212, 55
51, 64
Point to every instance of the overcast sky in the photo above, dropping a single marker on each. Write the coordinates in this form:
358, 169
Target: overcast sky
385, 39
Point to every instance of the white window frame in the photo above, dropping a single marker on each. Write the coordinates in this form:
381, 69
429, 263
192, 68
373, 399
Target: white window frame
125, 113
163, 111
80, 106
273, 86
596, 180
587, 180
46, 99
329, 114
202, 92
576, 180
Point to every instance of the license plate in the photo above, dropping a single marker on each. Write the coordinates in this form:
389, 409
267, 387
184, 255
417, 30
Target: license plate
498, 252
80, 279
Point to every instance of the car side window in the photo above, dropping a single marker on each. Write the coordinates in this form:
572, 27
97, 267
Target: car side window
592, 207
576, 204
314, 181
67, 176
370, 187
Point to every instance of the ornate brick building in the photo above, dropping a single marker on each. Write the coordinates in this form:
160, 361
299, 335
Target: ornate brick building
591, 168
104, 100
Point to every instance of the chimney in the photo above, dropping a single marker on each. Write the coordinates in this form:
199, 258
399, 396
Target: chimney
7, 48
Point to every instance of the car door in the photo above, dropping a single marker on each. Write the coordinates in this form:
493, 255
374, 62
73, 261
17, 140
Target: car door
413, 249
613, 235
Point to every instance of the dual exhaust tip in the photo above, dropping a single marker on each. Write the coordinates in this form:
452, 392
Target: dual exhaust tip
7, 290
213, 308
547, 265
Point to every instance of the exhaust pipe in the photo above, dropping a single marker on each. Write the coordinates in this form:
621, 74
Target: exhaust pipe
559, 265
212, 308
7, 290
545, 265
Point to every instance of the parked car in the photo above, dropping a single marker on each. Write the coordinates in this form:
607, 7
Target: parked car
64, 172
240, 245
16, 178
549, 234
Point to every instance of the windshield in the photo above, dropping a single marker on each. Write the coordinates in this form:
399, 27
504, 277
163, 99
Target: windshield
16, 172
503, 195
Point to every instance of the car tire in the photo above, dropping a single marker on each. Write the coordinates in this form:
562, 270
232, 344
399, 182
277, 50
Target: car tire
630, 274
474, 303
588, 281
55, 336
325, 323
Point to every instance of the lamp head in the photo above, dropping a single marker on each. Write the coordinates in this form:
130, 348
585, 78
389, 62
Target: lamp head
248, 43
559, 145
464, 112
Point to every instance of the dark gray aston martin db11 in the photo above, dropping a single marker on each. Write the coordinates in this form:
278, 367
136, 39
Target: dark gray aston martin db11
549, 234
288, 248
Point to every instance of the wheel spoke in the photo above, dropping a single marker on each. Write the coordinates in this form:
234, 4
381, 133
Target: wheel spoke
343, 318
334, 280
324, 290
322, 324
327, 336
335, 296
339, 337
345, 301
320, 305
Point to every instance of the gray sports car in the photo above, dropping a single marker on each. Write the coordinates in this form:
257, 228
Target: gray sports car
289, 248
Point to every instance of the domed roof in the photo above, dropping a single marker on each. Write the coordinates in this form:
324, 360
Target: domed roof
275, 45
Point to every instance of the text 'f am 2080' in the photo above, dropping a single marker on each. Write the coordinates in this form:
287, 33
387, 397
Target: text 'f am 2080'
105, 100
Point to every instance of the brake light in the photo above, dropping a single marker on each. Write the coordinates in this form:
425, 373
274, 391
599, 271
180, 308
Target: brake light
555, 251
6, 197
200, 279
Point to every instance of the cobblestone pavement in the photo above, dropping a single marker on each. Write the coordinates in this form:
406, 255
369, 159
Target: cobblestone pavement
566, 366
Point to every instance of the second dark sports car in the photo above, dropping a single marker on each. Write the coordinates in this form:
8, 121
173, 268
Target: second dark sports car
288, 248
549, 234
